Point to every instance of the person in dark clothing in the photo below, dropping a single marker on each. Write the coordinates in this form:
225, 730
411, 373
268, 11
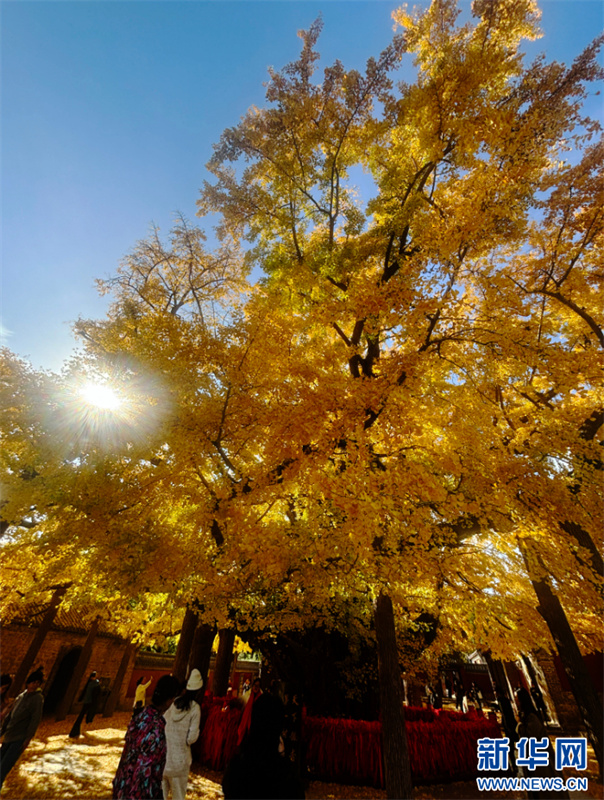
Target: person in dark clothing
531, 726
476, 696
509, 724
461, 699
5, 702
524, 699
90, 699
539, 701
437, 697
21, 724
257, 771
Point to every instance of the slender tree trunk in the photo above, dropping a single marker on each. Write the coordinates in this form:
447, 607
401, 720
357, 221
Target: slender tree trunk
574, 665
183, 651
233, 669
201, 649
114, 695
222, 668
38, 640
499, 676
394, 733
78, 673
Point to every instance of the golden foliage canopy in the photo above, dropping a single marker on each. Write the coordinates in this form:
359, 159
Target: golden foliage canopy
412, 387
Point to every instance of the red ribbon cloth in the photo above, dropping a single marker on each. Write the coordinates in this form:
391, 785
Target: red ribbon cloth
442, 746
218, 740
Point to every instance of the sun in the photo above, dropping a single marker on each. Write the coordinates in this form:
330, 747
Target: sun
101, 396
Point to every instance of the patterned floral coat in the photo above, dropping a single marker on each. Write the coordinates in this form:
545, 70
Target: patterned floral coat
141, 767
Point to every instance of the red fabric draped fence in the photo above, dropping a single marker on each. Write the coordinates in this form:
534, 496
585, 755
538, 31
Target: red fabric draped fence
441, 746
344, 750
218, 739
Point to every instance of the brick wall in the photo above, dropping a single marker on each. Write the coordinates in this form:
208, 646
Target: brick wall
106, 656
154, 665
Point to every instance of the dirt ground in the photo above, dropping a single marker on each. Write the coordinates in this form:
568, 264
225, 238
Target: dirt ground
56, 768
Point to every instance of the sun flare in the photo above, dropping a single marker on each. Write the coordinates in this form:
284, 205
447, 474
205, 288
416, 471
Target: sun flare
101, 396
112, 411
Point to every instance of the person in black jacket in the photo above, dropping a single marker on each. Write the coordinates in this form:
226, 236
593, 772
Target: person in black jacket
257, 771
90, 699
21, 724
509, 723
539, 701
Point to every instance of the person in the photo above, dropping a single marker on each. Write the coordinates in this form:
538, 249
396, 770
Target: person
437, 698
246, 717
476, 695
89, 698
429, 695
246, 690
5, 702
531, 725
141, 767
523, 697
461, 698
257, 770
539, 701
508, 723
459, 694
182, 729
21, 723
140, 693
228, 699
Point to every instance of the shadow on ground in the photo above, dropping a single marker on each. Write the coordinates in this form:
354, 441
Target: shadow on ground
55, 767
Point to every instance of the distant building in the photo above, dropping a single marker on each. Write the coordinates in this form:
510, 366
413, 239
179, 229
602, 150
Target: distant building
68, 648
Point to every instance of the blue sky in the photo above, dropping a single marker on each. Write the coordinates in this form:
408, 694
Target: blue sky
109, 112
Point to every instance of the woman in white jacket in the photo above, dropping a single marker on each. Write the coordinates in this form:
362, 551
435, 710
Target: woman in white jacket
182, 729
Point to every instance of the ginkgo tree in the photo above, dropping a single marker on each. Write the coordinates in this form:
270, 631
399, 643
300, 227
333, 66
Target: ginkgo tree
404, 411
433, 298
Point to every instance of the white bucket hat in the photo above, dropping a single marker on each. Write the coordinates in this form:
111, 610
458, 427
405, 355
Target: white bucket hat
195, 680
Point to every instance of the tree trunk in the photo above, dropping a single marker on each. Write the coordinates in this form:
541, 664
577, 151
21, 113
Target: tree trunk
201, 649
584, 540
37, 642
222, 668
394, 733
499, 676
114, 695
78, 673
588, 431
575, 668
233, 669
183, 651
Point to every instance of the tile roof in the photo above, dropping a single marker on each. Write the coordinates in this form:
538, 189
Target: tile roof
71, 620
